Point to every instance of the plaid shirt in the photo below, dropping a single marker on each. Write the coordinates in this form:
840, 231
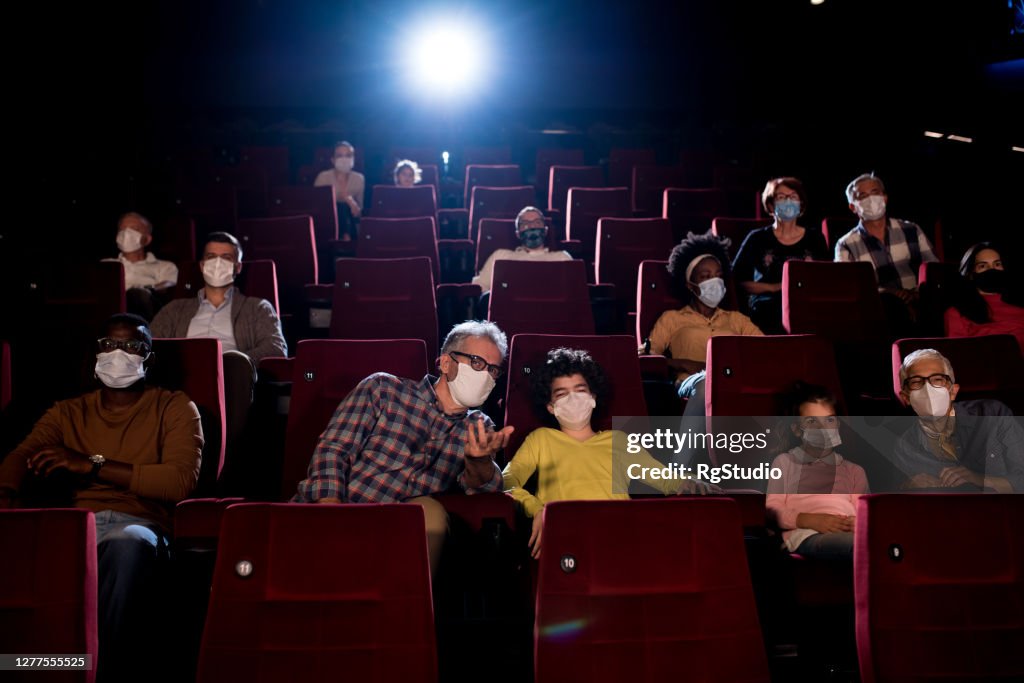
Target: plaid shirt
897, 260
389, 440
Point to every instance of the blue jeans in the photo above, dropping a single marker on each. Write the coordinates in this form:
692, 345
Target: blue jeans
836, 545
128, 552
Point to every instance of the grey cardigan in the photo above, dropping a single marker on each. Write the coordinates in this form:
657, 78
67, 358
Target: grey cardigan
256, 325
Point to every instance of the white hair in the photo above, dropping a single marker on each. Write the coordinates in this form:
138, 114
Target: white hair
852, 187
925, 354
475, 328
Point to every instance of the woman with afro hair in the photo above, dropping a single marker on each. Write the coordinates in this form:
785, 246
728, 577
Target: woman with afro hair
572, 460
699, 266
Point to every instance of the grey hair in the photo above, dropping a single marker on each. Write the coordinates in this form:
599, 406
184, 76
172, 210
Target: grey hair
925, 354
475, 328
859, 179
145, 221
525, 210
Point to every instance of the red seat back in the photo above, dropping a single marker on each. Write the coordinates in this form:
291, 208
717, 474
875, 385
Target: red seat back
623, 244
585, 206
497, 202
489, 175
616, 602
837, 300
258, 278
648, 187
925, 613
330, 588
621, 162
547, 157
500, 233
382, 238
290, 243
385, 299
834, 227
391, 201
325, 371
561, 178
48, 587
654, 295
692, 210
540, 297
318, 202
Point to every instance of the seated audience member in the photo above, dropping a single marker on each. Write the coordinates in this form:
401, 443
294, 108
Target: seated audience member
399, 440
147, 279
574, 462
988, 302
349, 187
971, 444
129, 452
758, 264
532, 233
895, 248
407, 173
698, 265
816, 500
248, 327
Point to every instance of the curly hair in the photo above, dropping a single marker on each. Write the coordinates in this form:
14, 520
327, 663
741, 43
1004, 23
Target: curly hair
690, 248
564, 362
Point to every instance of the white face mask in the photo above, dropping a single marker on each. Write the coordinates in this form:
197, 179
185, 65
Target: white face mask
344, 164
929, 401
712, 292
871, 208
470, 388
573, 410
129, 240
119, 369
218, 272
822, 439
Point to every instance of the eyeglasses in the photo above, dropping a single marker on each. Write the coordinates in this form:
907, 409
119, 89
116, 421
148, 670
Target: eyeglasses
478, 363
532, 225
938, 380
133, 346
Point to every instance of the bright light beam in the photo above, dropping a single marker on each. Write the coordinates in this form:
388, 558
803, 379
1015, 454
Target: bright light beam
445, 58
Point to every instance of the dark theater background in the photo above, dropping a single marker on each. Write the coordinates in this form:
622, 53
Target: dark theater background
203, 115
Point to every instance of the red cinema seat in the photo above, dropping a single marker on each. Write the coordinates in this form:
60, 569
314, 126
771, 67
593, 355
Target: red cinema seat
655, 294
385, 299
497, 202
837, 300
391, 201
273, 160
692, 210
931, 611
621, 162
615, 602
622, 245
986, 367
500, 233
540, 298
430, 176
562, 178
317, 202
195, 367
736, 229
325, 371
290, 243
648, 187
585, 206
834, 227
547, 157
384, 238
491, 175
616, 354
48, 588
304, 592
258, 278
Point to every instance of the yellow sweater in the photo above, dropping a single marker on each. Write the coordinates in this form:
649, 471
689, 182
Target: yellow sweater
573, 470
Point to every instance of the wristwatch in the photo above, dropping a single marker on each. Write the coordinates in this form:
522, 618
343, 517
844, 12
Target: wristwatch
98, 461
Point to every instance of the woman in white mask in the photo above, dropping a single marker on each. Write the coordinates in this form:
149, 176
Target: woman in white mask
574, 461
815, 501
349, 188
699, 266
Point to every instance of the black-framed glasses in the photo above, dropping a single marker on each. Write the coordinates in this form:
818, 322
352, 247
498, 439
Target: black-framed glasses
133, 346
478, 363
938, 380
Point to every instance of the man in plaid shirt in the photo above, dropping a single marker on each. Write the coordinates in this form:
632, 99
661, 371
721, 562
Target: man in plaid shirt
399, 440
895, 248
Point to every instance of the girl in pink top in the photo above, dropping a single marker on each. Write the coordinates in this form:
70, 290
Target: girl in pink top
986, 304
815, 500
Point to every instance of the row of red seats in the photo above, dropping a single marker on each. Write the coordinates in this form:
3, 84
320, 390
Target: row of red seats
614, 600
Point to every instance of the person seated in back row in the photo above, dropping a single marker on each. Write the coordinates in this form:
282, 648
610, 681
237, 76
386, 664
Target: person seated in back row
147, 279
698, 265
349, 188
988, 300
532, 233
407, 173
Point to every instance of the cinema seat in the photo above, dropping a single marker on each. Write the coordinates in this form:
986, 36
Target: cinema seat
941, 601
399, 238
48, 588
320, 592
391, 201
543, 297
489, 175
622, 245
645, 591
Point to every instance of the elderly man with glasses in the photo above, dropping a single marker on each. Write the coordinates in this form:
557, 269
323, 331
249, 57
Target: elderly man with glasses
968, 445
129, 452
400, 440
